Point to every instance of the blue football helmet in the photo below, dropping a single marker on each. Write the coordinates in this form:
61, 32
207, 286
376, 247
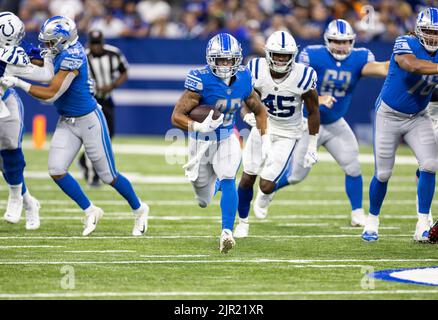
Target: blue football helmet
57, 34
339, 30
224, 46
426, 29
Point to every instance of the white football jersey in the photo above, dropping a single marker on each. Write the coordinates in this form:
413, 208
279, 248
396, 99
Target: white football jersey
283, 99
433, 110
15, 62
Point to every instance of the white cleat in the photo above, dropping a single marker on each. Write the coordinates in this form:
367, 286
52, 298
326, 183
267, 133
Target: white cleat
13, 210
141, 220
430, 219
261, 204
32, 214
371, 229
227, 241
358, 218
242, 229
422, 229
91, 220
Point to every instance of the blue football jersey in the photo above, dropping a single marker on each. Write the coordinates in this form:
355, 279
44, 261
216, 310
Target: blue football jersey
214, 92
335, 78
405, 91
78, 99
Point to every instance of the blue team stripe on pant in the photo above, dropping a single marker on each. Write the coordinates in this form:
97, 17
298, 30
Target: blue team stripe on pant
287, 163
106, 142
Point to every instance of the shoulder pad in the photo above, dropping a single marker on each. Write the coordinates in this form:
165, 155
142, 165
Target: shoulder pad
14, 55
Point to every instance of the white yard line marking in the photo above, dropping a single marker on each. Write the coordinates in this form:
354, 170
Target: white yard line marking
100, 251
176, 256
303, 225
294, 263
279, 202
323, 236
210, 293
380, 228
26, 247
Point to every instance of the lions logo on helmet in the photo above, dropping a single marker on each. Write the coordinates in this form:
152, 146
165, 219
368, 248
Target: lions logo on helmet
224, 46
281, 43
11, 29
339, 38
57, 34
426, 29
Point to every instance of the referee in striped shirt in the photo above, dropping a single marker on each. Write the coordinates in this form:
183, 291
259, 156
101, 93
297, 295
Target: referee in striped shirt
109, 69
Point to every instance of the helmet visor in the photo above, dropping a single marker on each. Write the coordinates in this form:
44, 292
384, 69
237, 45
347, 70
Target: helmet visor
429, 37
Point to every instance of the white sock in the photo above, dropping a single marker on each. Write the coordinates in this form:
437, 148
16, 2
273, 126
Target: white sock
89, 209
423, 218
140, 210
27, 199
244, 220
15, 191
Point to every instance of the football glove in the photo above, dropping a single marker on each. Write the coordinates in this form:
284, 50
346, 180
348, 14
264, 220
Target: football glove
311, 156
266, 145
208, 124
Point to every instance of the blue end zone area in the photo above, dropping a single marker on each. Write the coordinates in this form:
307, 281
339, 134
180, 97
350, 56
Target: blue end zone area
407, 277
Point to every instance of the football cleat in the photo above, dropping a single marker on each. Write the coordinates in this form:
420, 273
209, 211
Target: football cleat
32, 214
227, 241
13, 210
261, 204
91, 220
141, 220
422, 230
242, 229
370, 230
358, 218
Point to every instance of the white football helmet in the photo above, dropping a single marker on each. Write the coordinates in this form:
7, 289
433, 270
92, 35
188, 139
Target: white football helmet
281, 42
339, 30
57, 34
11, 29
224, 46
426, 29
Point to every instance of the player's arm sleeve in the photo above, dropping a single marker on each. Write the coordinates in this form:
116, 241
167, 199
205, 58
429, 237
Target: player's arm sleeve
194, 82
33, 72
303, 57
309, 80
401, 46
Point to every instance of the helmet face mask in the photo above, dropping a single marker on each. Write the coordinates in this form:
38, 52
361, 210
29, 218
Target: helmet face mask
426, 29
224, 55
281, 50
57, 34
11, 29
339, 39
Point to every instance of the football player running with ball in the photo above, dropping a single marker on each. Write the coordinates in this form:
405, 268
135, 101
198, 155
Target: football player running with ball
214, 150
283, 86
401, 113
81, 122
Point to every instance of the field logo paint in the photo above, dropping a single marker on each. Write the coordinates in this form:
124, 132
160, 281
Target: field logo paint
427, 276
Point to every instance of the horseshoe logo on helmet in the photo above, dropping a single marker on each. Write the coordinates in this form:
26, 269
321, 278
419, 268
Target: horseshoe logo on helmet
4, 29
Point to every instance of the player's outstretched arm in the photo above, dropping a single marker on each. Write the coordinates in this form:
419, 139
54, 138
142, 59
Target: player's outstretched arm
183, 106
411, 63
60, 83
310, 99
375, 69
254, 104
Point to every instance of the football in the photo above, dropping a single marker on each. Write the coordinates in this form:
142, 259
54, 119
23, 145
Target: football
201, 112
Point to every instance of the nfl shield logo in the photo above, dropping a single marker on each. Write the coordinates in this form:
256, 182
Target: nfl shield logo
229, 91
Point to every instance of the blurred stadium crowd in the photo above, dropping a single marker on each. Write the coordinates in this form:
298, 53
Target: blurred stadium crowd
245, 19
